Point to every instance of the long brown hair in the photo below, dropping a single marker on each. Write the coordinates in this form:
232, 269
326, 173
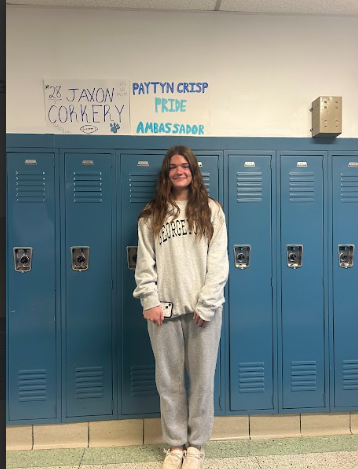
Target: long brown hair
198, 211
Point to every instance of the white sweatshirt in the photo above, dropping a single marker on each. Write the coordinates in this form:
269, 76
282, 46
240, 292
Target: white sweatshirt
178, 268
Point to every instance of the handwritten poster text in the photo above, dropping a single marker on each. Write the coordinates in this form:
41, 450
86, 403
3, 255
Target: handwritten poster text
169, 107
87, 106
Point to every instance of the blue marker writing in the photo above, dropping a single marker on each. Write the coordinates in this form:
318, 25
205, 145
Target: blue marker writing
170, 105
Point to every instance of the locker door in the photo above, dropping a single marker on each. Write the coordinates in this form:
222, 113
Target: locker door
250, 287
138, 182
302, 297
32, 388
209, 166
88, 302
345, 279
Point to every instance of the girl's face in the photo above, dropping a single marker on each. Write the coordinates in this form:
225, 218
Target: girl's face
179, 174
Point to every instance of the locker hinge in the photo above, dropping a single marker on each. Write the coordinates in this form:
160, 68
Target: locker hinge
54, 286
218, 163
53, 161
112, 406
220, 402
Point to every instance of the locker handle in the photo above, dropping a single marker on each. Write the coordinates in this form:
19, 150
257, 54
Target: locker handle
294, 255
23, 259
346, 255
242, 254
80, 258
132, 257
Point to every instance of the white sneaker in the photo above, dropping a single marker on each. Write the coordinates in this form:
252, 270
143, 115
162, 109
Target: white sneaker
193, 458
173, 459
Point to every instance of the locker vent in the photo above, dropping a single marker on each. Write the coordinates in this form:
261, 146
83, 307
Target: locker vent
349, 188
251, 377
302, 188
87, 187
32, 385
30, 187
142, 187
89, 382
249, 187
303, 376
143, 381
350, 375
206, 177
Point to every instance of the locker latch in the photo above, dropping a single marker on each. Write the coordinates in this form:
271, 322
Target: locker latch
242, 256
22, 259
294, 255
346, 255
132, 257
80, 258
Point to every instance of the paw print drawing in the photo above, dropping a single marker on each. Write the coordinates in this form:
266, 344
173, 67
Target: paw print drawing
114, 127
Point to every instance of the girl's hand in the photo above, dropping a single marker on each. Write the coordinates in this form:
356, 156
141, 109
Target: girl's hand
155, 315
198, 321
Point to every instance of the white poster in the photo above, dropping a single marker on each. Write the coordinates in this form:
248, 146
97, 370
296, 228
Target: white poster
170, 108
99, 107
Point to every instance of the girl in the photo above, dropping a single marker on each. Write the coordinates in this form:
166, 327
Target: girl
182, 268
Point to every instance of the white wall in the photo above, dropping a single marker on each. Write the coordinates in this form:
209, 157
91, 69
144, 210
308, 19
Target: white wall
263, 71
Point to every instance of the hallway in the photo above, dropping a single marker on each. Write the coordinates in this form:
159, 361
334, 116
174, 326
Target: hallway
333, 452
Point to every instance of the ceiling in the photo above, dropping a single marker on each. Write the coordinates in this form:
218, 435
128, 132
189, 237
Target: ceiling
275, 7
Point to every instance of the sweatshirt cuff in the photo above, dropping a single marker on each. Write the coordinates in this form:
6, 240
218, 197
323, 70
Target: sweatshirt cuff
206, 315
150, 301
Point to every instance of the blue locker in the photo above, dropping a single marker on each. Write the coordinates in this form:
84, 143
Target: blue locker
32, 260
345, 279
88, 259
138, 175
303, 315
250, 282
138, 182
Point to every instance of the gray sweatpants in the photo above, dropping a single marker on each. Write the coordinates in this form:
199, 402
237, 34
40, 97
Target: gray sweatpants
179, 345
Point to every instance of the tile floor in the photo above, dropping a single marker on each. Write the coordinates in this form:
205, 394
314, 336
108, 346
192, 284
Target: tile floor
331, 452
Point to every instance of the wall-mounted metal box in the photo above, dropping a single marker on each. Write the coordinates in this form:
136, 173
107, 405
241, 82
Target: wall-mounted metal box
327, 116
